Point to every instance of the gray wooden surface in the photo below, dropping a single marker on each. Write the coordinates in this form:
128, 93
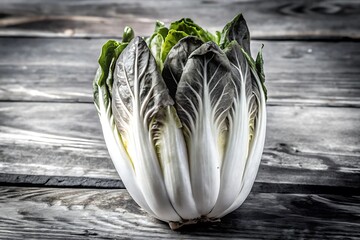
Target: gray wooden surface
297, 72
59, 213
56, 178
281, 19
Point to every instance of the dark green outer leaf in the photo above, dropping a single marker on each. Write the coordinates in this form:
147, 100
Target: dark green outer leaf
105, 91
106, 56
236, 30
109, 53
117, 51
138, 89
96, 89
259, 63
203, 99
207, 72
241, 70
258, 69
176, 60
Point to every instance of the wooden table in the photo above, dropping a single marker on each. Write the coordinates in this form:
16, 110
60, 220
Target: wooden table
56, 177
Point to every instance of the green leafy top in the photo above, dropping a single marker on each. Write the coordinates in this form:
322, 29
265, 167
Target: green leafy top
164, 39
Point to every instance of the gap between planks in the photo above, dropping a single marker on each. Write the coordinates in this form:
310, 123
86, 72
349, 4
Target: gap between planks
41, 181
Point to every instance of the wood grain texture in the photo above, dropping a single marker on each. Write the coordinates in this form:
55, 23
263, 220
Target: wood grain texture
267, 19
46, 213
297, 73
30, 180
304, 145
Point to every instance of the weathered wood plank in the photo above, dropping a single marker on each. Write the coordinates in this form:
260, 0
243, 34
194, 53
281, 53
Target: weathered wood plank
47, 213
267, 19
304, 145
303, 73
26, 180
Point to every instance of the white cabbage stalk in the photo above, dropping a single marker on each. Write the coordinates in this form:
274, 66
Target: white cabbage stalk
184, 117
